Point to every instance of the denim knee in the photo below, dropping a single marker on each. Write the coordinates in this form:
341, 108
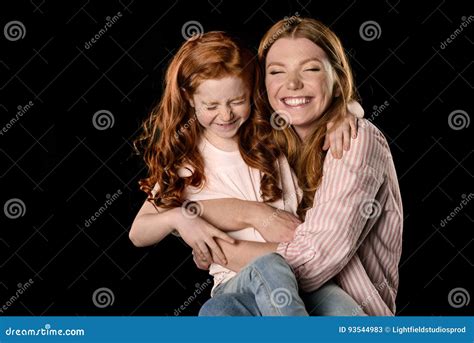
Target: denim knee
269, 262
229, 304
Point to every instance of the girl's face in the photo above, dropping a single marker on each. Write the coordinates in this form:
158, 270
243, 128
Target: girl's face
299, 80
222, 106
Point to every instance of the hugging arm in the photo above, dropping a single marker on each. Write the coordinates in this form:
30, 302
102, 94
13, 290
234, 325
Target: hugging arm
152, 224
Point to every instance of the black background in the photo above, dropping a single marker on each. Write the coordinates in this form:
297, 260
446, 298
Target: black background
63, 168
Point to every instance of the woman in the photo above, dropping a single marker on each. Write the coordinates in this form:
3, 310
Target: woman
353, 211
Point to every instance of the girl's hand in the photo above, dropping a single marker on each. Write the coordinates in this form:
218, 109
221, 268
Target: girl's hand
200, 236
339, 137
203, 265
274, 225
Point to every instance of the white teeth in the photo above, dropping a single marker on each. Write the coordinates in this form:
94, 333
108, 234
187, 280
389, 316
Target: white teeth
295, 101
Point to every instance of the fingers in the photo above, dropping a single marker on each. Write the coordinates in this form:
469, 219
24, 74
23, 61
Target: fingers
336, 145
326, 142
222, 235
217, 252
204, 252
199, 263
353, 123
346, 134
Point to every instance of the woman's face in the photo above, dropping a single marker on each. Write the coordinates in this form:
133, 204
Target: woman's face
299, 81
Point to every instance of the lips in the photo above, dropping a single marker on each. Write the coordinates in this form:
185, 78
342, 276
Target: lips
226, 126
296, 101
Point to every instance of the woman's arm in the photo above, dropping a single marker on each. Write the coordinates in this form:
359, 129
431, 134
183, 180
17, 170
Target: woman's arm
338, 223
273, 224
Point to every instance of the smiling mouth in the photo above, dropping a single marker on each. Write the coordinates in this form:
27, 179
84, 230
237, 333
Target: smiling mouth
227, 124
296, 101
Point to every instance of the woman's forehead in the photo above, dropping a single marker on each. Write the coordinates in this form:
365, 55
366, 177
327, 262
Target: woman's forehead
295, 49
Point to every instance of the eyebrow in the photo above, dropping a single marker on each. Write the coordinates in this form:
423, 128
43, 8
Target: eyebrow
301, 63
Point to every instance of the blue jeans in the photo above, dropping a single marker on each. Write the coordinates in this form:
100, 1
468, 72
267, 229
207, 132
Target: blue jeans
268, 287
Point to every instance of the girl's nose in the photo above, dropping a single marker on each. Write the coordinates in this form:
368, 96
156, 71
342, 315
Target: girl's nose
227, 114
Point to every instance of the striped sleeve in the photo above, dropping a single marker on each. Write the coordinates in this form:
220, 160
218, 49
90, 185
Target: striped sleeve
338, 222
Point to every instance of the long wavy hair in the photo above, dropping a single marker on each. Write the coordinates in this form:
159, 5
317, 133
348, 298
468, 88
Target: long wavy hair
170, 135
307, 157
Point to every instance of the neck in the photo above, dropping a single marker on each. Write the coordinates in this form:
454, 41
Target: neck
224, 144
303, 131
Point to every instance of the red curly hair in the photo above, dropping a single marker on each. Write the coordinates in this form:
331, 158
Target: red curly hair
167, 147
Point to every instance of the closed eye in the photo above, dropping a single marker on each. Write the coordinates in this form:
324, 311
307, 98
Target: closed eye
274, 72
240, 102
313, 69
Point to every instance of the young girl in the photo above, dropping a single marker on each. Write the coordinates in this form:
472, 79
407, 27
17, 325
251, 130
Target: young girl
206, 141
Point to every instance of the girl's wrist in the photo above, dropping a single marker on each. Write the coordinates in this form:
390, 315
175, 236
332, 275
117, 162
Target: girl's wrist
175, 217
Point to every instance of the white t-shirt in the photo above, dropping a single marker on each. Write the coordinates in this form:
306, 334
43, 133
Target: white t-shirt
228, 176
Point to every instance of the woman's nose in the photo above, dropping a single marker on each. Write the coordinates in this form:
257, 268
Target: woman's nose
293, 82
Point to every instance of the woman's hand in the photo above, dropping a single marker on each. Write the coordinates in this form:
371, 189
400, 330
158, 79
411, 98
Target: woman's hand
274, 225
200, 236
338, 137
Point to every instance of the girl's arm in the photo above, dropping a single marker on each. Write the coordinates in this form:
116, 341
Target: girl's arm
339, 135
152, 224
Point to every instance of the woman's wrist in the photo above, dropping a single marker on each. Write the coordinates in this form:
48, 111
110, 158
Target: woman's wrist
251, 213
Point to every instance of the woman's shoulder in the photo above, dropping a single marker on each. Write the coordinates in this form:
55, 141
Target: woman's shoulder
369, 148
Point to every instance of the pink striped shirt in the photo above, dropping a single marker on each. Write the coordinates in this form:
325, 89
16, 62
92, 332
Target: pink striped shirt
353, 233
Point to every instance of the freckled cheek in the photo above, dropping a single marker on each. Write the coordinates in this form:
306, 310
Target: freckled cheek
272, 93
205, 119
